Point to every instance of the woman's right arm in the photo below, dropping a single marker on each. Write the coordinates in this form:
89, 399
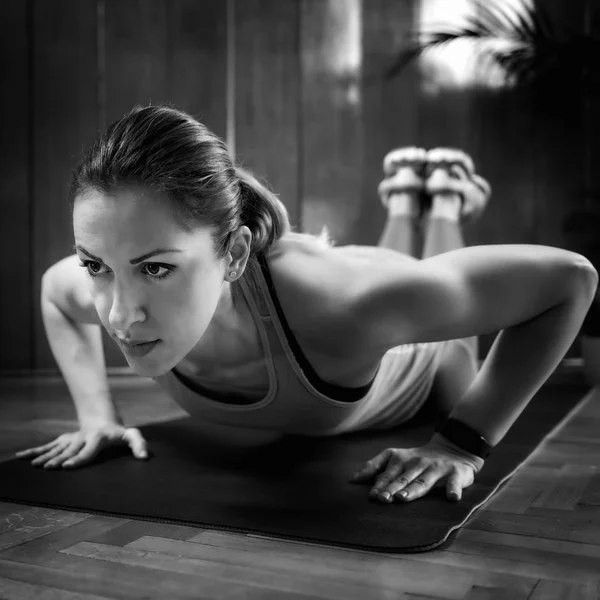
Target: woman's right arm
74, 333
75, 337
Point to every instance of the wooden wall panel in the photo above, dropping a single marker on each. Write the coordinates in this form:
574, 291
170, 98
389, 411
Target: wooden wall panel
312, 115
332, 141
16, 295
390, 108
502, 132
197, 60
136, 52
266, 94
64, 123
591, 125
559, 158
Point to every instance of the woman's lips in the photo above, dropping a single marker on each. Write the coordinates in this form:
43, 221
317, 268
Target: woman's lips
138, 349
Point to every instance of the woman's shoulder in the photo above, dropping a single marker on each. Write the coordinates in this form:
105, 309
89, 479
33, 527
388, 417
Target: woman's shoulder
317, 284
304, 263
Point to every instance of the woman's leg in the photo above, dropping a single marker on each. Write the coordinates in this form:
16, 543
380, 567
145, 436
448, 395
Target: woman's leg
400, 230
400, 194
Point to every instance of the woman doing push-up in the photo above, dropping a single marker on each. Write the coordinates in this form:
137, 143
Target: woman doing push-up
191, 266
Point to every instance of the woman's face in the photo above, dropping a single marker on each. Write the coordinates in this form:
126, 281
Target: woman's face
171, 296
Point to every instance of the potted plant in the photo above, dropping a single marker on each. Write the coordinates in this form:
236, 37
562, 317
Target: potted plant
520, 43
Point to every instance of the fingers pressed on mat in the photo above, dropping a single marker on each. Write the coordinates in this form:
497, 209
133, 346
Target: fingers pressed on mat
419, 485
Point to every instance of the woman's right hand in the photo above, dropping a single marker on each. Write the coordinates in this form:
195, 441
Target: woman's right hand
80, 447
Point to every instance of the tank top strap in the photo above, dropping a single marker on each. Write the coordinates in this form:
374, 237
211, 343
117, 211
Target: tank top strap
282, 338
255, 286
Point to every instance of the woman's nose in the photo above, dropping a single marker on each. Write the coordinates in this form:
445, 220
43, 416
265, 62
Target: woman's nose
124, 311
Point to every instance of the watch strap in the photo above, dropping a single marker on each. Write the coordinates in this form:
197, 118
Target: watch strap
464, 437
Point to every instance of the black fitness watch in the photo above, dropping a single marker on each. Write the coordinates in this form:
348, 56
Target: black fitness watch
464, 437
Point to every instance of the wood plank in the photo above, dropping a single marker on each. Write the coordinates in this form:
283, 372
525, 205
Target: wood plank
266, 94
20, 590
568, 488
582, 514
24, 524
525, 487
16, 299
538, 523
72, 528
80, 575
591, 496
511, 561
559, 590
197, 60
525, 541
136, 50
359, 561
130, 531
64, 123
545, 564
569, 453
486, 593
389, 107
40, 561
332, 130
313, 575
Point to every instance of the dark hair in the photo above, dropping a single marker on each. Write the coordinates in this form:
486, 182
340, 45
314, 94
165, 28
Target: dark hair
171, 152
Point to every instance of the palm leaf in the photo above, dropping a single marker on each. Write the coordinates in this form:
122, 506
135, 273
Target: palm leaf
518, 39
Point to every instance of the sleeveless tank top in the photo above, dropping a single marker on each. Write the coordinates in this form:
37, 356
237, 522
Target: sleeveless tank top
298, 401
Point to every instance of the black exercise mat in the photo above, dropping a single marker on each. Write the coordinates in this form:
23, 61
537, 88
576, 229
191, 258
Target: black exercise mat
296, 488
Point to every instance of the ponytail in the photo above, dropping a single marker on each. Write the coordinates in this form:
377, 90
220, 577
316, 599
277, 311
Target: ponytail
262, 212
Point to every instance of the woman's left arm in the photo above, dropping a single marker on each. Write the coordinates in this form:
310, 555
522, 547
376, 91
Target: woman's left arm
521, 359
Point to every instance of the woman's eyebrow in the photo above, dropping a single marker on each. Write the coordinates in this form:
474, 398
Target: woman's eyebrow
133, 261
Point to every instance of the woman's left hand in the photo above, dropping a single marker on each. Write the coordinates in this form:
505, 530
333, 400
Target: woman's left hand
410, 473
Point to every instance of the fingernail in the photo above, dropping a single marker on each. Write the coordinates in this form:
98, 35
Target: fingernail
386, 495
68, 463
403, 494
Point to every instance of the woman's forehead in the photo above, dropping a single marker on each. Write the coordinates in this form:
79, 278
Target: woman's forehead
131, 220
127, 211
135, 201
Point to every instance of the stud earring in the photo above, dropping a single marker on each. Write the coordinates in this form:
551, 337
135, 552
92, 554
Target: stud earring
232, 274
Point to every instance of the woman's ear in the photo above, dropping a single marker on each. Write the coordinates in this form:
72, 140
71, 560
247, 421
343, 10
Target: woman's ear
239, 248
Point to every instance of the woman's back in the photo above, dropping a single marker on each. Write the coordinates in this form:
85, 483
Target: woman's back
314, 283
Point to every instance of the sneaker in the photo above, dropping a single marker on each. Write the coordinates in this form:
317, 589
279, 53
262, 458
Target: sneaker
476, 199
404, 170
450, 170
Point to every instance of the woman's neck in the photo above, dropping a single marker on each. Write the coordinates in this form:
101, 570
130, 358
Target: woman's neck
230, 335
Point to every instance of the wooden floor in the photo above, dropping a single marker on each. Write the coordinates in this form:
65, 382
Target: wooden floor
538, 538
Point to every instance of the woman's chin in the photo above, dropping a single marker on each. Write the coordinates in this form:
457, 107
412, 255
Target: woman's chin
149, 370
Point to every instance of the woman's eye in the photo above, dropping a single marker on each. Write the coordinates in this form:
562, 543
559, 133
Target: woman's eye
86, 264
153, 270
